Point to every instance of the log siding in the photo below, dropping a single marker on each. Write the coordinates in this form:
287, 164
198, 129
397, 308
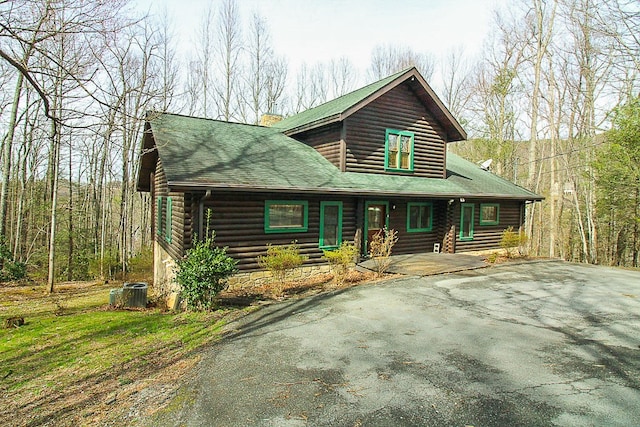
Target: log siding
179, 215
326, 141
238, 222
399, 109
488, 236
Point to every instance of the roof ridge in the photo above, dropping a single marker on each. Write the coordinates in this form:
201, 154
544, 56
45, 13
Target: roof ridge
333, 107
188, 116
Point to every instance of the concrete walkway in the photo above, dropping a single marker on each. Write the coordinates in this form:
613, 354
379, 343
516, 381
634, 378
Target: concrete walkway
429, 264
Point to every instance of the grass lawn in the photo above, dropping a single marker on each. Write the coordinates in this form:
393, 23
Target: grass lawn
75, 359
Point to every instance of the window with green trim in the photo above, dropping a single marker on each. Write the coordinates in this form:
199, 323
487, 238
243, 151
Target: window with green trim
419, 217
330, 225
169, 217
466, 221
398, 150
159, 225
489, 214
286, 216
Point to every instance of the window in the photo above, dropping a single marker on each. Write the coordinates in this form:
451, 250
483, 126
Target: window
330, 225
168, 233
399, 151
159, 225
466, 221
285, 216
419, 217
489, 214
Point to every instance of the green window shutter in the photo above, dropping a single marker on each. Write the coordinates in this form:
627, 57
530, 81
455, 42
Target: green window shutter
159, 225
168, 233
330, 225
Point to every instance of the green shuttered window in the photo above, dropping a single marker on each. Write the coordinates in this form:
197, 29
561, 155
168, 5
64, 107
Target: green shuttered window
330, 225
159, 225
398, 150
286, 216
419, 217
168, 219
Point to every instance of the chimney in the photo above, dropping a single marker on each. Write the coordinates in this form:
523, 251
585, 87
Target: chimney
270, 119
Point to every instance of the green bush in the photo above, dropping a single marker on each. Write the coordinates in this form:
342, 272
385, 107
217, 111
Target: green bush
512, 240
203, 272
141, 265
281, 259
110, 265
10, 269
340, 259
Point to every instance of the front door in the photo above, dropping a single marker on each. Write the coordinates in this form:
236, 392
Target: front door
376, 218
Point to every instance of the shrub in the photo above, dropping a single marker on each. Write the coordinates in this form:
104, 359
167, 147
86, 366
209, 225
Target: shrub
511, 239
340, 259
10, 269
203, 272
380, 249
141, 265
281, 259
108, 265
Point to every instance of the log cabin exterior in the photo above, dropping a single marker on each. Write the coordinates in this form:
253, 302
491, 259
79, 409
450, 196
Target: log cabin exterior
376, 157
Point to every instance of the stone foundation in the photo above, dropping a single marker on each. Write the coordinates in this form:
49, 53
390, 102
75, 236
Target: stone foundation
262, 277
163, 272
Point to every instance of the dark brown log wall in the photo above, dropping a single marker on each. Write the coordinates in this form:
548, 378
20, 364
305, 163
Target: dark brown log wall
487, 236
238, 221
398, 109
418, 242
325, 140
181, 215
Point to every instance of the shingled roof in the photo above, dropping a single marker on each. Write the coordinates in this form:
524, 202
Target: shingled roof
343, 106
202, 154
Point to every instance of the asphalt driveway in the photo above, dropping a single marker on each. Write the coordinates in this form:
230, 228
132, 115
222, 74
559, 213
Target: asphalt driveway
535, 344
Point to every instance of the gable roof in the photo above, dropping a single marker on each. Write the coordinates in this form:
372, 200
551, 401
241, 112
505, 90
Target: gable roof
345, 105
202, 154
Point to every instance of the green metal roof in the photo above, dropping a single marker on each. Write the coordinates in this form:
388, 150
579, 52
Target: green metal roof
203, 153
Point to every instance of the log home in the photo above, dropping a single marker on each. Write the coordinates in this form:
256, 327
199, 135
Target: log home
376, 157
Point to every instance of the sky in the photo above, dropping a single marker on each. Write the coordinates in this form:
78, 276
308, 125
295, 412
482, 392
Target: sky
310, 31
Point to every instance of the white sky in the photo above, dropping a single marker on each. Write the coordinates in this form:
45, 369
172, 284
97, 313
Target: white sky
320, 30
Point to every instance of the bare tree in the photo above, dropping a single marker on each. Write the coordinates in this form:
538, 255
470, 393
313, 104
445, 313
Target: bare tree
228, 49
456, 77
389, 59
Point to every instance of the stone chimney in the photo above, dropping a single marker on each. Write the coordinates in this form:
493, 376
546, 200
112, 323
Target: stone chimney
270, 119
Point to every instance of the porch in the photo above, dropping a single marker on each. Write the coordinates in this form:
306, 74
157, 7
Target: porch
429, 264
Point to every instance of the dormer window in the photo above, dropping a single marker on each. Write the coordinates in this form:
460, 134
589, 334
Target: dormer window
399, 151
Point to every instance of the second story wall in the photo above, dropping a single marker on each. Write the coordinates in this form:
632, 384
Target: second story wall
400, 109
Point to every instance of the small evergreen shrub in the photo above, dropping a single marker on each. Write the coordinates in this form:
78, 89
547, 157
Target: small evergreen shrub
281, 259
340, 259
380, 249
203, 273
512, 240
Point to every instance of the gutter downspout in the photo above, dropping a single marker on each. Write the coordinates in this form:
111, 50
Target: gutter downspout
207, 196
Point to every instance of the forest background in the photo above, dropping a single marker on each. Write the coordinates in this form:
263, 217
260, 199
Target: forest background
554, 101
